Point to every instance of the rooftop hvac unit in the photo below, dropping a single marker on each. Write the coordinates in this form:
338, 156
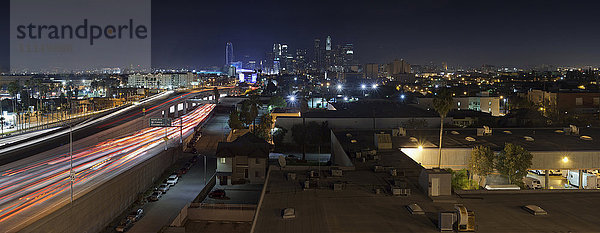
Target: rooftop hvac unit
574, 130
446, 221
465, 219
399, 132
485, 131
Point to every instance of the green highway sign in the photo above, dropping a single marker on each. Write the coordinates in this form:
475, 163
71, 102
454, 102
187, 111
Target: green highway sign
160, 122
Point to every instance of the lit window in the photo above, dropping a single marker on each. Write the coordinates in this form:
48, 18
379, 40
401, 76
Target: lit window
223, 160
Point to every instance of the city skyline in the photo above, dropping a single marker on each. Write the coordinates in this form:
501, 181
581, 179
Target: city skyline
465, 33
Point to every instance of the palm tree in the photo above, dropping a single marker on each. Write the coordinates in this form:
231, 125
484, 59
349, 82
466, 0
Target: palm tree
442, 103
14, 89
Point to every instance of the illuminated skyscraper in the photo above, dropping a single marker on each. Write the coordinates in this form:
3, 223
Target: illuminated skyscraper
347, 54
228, 54
328, 43
317, 55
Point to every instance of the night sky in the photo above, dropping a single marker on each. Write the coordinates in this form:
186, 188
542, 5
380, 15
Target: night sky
193, 34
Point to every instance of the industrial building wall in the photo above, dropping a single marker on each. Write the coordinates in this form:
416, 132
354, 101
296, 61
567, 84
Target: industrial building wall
360, 123
339, 156
455, 158
458, 158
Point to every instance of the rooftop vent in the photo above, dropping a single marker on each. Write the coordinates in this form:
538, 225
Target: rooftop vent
535, 210
528, 138
586, 138
470, 139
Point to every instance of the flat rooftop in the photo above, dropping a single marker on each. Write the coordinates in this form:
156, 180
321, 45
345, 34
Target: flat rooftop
357, 208
372, 108
544, 139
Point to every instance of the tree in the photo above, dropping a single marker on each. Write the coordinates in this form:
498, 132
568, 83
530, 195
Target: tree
513, 163
482, 161
442, 103
14, 89
277, 102
278, 135
217, 95
234, 120
250, 109
460, 180
264, 128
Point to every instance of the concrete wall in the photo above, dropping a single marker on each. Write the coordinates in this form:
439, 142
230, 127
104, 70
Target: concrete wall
94, 210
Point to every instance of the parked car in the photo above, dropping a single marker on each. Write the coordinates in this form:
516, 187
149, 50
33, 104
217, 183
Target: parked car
163, 188
155, 196
217, 193
183, 170
124, 225
135, 215
172, 180
175, 173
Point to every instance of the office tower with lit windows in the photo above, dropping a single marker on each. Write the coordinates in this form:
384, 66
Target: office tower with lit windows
316, 62
228, 54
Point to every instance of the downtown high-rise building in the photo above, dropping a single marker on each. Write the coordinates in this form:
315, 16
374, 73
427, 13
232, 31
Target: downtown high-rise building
316, 62
328, 44
228, 54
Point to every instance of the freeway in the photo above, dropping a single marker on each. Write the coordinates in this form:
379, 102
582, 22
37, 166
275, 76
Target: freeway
29, 190
131, 113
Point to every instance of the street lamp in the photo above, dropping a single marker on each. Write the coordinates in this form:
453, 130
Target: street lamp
339, 87
363, 86
374, 86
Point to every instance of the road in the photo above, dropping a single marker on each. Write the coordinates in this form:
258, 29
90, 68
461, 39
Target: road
36, 186
163, 212
153, 107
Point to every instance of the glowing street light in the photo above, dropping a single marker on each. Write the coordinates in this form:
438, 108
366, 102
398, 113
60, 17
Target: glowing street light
374, 86
292, 98
339, 87
363, 86
565, 159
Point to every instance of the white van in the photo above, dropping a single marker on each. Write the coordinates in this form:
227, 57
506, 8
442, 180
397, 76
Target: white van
532, 183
